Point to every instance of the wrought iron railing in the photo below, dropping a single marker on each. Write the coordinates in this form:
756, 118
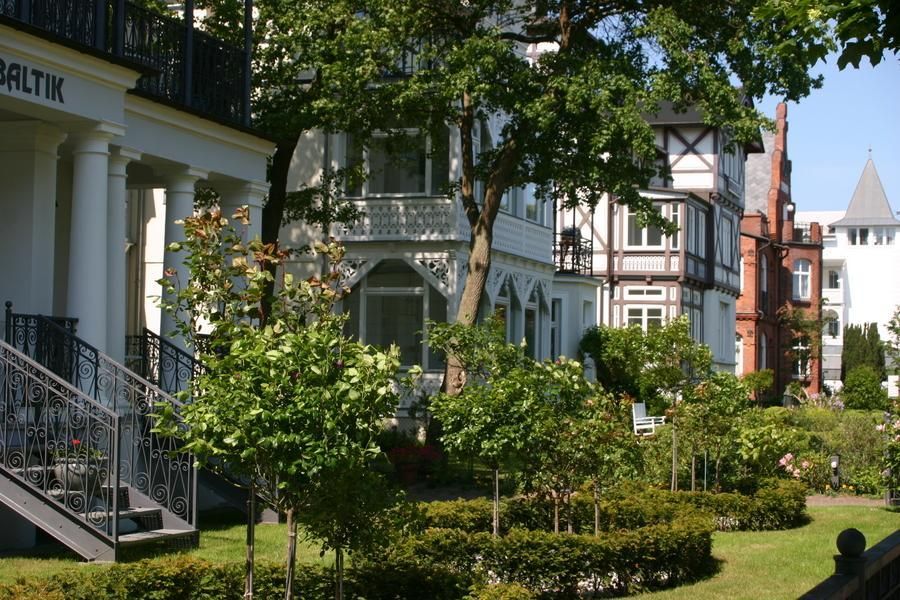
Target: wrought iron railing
572, 254
59, 442
190, 68
162, 363
153, 465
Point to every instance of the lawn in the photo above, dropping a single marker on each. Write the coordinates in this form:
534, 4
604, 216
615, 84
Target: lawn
783, 564
771, 564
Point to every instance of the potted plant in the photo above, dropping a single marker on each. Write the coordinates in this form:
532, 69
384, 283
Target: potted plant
78, 467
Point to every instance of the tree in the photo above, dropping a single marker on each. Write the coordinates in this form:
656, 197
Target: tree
862, 389
712, 415
285, 400
570, 117
862, 347
651, 366
892, 345
758, 383
498, 418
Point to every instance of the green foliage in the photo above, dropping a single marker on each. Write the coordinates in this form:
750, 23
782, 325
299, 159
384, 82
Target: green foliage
285, 399
862, 389
760, 384
650, 366
862, 347
892, 345
502, 591
619, 562
777, 504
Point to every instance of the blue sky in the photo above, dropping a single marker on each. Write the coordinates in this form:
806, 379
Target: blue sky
831, 130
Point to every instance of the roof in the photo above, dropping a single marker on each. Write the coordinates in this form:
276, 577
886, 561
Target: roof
869, 204
758, 176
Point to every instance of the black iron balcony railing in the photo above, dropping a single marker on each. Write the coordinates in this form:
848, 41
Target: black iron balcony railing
185, 67
572, 254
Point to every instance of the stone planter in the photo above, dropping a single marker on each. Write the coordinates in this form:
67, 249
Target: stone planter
77, 475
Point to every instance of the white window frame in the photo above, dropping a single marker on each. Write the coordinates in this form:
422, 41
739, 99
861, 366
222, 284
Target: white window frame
802, 279
645, 318
800, 368
641, 292
629, 213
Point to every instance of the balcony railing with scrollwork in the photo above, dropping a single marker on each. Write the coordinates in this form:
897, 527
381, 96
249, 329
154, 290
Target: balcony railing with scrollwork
188, 68
59, 443
152, 465
572, 254
162, 363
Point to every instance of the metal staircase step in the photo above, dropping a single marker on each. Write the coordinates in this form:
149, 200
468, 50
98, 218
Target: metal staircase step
175, 536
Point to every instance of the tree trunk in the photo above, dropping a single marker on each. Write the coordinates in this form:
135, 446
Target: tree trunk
596, 510
718, 463
338, 574
273, 211
555, 512
496, 514
674, 486
291, 555
570, 527
693, 472
251, 534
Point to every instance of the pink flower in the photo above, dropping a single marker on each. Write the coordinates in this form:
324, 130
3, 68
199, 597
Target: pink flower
879, 427
805, 464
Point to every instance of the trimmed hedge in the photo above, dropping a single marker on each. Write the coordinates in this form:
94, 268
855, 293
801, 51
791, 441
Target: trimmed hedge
187, 578
780, 504
551, 565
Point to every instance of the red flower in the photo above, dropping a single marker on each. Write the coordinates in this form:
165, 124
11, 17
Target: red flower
76, 443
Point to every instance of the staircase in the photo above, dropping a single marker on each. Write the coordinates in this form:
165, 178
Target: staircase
78, 457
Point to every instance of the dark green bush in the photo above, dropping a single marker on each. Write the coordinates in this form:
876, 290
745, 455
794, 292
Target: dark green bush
614, 563
777, 504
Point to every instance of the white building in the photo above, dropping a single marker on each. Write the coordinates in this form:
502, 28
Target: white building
100, 105
860, 264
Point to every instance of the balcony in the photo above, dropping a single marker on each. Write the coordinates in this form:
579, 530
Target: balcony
184, 67
572, 254
438, 218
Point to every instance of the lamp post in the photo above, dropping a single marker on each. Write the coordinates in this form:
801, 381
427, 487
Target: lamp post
835, 462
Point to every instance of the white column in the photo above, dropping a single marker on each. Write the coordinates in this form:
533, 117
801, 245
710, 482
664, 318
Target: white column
179, 204
250, 194
86, 298
28, 170
115, 253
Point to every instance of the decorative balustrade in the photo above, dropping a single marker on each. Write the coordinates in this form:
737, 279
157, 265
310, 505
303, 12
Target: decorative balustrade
162, 363
643, 263
872, 574
418, 218
189, 67
152, 465
58, 442
802, 233
572, 254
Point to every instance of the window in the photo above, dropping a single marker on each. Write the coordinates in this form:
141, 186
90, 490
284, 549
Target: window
832, 323
534, 208
727, 241
695, 230
532, 326
692, 307
641, 293
390, 306
763, 352
648, 237
764, 284
863, 236
555, 328
676, 219
833, 280
802, 270
851, 236
401, 165
644, 316
883, 236
801, 357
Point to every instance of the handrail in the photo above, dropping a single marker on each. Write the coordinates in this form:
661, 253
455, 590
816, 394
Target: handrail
163, 363
870, 575
152, 465
572, 254
50, 426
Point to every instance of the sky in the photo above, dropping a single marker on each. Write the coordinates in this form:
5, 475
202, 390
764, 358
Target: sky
831, 130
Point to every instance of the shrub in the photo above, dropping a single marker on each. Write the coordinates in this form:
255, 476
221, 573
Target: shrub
664, 554
502, 591
862, 389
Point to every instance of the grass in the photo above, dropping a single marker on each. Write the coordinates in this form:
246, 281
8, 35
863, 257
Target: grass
783, 564
222, 539
768, 564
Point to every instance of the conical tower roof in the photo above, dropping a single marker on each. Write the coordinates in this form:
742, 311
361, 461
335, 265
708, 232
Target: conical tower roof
869, 204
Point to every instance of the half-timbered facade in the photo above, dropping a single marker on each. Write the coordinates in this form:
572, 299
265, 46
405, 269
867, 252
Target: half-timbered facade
651, 277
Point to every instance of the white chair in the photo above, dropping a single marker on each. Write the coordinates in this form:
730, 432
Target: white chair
644, 425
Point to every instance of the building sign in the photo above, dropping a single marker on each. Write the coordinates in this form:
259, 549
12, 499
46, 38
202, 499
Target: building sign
30, 80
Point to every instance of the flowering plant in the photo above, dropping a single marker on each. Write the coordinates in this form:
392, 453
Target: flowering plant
891, 429
814, 470
77, 450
